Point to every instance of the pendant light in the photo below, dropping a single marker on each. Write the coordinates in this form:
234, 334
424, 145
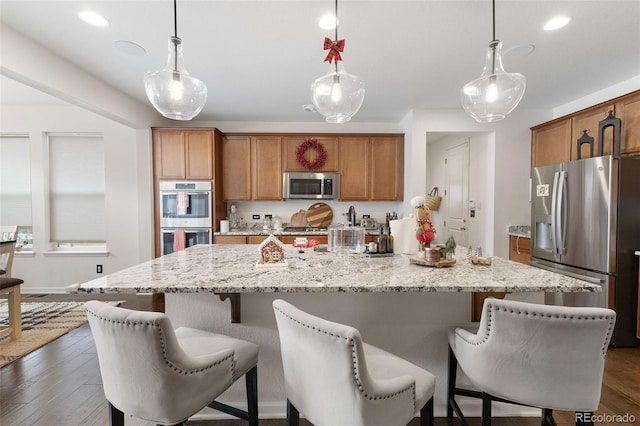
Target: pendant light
337, 95
171, 90
496, 93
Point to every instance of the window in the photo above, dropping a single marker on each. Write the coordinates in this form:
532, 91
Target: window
15, 186
76, 190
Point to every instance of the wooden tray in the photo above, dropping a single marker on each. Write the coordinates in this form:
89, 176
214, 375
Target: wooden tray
439, 264
319, 215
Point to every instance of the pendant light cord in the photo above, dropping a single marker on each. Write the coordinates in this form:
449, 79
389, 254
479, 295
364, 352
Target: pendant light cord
493, 41
175, 19
175, 35
494, 19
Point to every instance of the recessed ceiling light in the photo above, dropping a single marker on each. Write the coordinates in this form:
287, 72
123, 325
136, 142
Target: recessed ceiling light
129, 47
519, 51
556, 22
93, 18
327, 22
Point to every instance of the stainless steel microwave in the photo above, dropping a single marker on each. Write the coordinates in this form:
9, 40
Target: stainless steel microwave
317, 186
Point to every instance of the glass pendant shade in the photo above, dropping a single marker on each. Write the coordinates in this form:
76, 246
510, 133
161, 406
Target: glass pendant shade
172, 91
496, 93
338, 95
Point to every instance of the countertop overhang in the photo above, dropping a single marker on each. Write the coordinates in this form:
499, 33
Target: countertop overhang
229, 268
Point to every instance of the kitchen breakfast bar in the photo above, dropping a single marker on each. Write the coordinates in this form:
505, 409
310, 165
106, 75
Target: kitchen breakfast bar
397, 305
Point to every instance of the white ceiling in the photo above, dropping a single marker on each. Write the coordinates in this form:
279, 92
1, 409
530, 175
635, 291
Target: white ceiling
259, 57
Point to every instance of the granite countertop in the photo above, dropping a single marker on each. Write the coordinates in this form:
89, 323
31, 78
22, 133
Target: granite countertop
523, 231
232, 269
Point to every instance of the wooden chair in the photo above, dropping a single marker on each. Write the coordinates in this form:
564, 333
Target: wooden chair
8, 235
11, 287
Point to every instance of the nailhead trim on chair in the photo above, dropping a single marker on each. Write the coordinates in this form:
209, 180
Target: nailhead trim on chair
162, 344
355, 365
564, 316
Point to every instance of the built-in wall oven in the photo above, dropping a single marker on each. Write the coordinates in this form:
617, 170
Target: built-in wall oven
191, 237
185, 214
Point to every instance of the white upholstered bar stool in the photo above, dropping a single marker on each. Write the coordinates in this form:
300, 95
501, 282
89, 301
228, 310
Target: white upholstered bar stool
549, 357
153, 372
334, 379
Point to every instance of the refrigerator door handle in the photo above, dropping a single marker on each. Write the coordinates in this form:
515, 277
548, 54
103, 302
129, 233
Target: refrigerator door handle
562, 213
554, 209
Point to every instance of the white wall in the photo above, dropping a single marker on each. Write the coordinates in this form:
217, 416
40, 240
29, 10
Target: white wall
511, 141
128, 196
481, 165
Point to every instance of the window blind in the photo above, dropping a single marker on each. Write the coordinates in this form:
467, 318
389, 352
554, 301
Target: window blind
15, 180
76, 188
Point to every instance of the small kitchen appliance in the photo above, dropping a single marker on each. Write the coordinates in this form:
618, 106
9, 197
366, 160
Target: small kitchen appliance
321, 186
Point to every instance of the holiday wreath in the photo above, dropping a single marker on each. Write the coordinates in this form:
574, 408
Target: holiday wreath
321, 154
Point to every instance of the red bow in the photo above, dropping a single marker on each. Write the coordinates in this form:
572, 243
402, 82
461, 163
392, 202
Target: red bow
335, 49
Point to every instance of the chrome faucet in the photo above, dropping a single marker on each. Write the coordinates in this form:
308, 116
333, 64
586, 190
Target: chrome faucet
351, 216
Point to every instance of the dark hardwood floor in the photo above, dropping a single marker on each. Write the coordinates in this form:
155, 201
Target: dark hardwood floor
59, 384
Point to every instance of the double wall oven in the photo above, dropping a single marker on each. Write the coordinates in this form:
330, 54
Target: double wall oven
185, 214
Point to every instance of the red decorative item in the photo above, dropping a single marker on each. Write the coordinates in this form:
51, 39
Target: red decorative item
321, 156
334, 49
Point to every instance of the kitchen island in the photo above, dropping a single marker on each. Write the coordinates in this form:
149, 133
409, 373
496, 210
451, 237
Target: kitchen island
398, 306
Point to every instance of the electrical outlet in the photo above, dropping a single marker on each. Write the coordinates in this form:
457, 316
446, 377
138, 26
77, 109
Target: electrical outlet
256, 217
268, 216
98, 269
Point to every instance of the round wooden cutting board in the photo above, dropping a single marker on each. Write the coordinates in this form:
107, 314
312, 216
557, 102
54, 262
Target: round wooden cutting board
299, 219
319, 215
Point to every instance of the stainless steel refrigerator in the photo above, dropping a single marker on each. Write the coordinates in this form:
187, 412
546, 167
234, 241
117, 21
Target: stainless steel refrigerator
585, 223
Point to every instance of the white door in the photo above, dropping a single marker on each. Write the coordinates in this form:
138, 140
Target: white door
456, 199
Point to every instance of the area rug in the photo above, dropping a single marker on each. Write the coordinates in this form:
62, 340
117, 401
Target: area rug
42, 322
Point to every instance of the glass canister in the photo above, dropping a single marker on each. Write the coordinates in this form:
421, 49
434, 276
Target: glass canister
345, 238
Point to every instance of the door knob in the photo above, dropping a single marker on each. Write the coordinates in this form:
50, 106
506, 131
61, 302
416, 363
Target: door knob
463, 229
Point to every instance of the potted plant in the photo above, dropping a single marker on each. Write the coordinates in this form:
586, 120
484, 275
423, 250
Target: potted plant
449, 248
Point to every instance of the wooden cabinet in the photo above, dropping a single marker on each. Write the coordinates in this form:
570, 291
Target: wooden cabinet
387, 168
627, 109
290, 148
188, 154
229, 239
252, 168
236, 168
519, 249
551, 143
183, 154
556, 141
372, 168
266, 168
588, 120
355, 167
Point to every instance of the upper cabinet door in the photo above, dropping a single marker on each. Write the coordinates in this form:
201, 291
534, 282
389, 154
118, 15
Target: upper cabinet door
266, 168
551, 143
199, 154
355, 167
169, 154
387, 168
290, 150
589, 120
628, 111
236, 168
